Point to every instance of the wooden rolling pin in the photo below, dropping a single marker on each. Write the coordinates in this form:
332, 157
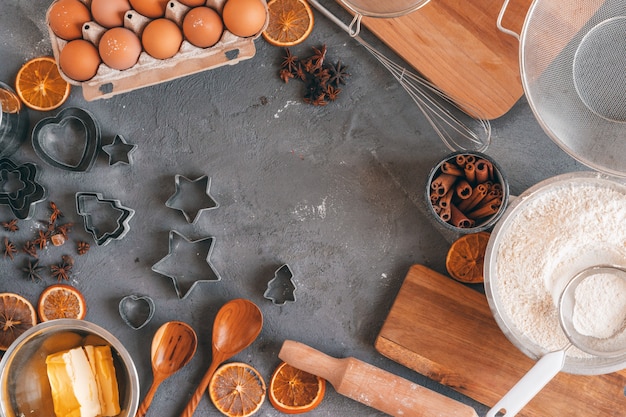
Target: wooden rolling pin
373, 386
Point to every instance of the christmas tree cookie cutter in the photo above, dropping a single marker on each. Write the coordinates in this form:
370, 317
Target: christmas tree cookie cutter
281, 288
105, 219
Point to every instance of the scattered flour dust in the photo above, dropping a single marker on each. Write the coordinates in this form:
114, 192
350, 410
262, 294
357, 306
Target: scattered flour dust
550, 239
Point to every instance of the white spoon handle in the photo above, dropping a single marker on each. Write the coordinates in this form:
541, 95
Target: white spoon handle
526, 388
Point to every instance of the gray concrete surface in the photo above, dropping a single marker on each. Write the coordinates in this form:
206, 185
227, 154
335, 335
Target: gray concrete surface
334, 191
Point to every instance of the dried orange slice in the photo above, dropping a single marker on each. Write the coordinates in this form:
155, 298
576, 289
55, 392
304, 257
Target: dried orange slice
61, 301
9, 102
17, 315
290, 22
293, 391
237, 390
40, 86
466, 257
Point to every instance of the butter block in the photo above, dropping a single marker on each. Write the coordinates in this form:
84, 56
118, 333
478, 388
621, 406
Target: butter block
83, 382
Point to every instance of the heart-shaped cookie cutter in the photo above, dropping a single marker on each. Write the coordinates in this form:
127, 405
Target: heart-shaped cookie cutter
136, 310
104, 227
57, 139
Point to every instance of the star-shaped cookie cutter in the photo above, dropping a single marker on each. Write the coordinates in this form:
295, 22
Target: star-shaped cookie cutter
192, 197
104, 227
187, 263
20, 189
119, 151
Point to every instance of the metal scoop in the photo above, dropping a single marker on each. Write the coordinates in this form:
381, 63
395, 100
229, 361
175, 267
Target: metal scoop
589, 342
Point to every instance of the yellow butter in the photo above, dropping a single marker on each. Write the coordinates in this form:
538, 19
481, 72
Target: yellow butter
83, 382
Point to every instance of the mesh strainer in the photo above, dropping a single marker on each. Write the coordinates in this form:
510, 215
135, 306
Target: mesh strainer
389, 8
573, 70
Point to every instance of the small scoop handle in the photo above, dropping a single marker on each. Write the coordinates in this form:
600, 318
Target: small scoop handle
526, 388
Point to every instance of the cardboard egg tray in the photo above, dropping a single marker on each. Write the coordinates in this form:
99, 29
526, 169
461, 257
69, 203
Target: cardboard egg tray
148, 71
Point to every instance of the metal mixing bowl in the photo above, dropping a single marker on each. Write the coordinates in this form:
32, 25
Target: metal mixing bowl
495, 284
24, 386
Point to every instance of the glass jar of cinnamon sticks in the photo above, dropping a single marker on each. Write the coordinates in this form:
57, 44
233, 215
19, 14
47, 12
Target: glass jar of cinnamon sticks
467, 192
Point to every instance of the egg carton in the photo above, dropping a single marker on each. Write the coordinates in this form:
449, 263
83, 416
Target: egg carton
108, 82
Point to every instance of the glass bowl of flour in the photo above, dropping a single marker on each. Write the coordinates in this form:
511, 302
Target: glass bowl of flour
547, 235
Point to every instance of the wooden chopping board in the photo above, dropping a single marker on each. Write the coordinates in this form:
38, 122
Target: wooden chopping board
445, 330
457, 46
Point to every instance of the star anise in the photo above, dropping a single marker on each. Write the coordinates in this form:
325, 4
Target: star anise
56, 213
31, 249
42, 239
318, 57
11, 226
285, 75
64, 229
82, 248
338, 74
33, 270
61, 271
332, 92
290, 61
9, 248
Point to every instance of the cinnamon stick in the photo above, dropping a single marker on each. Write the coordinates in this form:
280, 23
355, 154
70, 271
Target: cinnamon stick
483, 171
458, 219
452, 169
485, 210
470, 172
443, 183
463, 189
478, 193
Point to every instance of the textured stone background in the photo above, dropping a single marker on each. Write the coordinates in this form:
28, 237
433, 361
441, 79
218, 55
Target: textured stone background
336, 192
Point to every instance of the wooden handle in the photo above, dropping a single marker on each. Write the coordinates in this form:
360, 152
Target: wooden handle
202, 388
145, 404
373, 386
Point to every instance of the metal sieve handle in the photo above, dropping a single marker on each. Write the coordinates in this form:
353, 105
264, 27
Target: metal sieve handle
499, 22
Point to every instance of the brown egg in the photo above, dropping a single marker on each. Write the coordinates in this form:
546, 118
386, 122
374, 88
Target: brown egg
66, 18
203, 27
119, 48
79, 60
150, 8
244, 17
193, 3
161, 38
109, 13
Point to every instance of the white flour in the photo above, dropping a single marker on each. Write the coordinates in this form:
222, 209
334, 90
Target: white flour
549, 240
600, 306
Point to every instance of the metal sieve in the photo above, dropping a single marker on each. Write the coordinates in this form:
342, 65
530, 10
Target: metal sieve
595, 344
389, 8
572, 59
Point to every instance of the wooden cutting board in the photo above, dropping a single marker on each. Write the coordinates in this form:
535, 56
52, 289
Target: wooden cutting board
445, 330
457, 46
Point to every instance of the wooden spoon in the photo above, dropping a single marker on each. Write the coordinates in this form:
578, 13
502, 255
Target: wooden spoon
236, 326
173, 346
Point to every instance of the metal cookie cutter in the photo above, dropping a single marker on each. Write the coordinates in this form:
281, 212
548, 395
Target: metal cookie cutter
19, 188
69, 140
281, 288
187, 263
105, 219
136, 310
192, 197
119, 151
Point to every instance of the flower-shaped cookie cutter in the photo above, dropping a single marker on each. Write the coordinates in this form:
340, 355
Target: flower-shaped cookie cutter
19, 188
136, 310
192, 197
281, 288
105, 219
119, 151
187, 263
70, 140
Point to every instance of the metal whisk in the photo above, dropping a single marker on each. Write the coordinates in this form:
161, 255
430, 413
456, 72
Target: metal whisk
457, 129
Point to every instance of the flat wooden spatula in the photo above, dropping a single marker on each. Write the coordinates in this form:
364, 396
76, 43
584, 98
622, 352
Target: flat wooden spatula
373, 386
